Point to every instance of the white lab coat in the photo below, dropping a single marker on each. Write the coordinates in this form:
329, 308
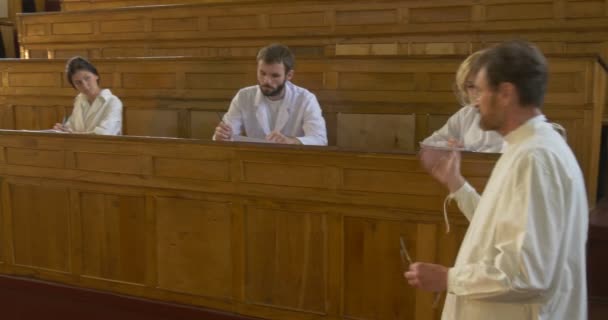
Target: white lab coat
299, 115
103, 116
464, 127
523, 256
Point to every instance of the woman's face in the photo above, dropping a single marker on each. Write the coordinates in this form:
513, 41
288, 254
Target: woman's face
471, 91
86, 83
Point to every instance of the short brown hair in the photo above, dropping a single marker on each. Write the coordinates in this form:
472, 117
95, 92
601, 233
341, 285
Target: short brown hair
76, 64
277, 53
519, 63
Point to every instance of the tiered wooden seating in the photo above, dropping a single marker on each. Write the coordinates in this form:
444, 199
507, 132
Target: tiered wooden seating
274, 232
183, 97
315, 28
328, 27
77, 5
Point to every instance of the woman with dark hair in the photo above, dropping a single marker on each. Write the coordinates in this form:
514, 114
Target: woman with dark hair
96, 110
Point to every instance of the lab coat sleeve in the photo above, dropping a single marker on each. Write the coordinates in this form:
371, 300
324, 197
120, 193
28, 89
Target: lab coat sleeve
313, 124
527, 232
452, 129
111, 123
234, 116
467, 199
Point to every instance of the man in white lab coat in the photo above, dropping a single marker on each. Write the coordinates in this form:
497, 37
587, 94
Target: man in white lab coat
523, 256
275, 110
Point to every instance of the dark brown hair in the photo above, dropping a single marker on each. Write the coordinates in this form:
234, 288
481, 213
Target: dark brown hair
277, 53
76, 64
520, 63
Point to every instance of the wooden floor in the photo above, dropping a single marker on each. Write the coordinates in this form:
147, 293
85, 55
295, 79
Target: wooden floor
25, 299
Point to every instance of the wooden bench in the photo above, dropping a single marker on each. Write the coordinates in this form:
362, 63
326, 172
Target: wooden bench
273, 232
182, 97
315, 28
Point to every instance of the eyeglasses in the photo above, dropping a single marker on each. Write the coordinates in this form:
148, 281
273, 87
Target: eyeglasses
404, 254
407, 260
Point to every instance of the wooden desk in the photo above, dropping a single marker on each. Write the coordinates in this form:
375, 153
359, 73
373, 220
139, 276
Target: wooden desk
280, 233
181, 97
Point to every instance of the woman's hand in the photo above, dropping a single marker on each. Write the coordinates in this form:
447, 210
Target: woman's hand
62, 128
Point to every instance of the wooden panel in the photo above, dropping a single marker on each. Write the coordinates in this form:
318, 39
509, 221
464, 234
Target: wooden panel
565, 82
147, 80
203, 123
310, 80
192, 169
282, 174
36, 118
107, 162
194, 245
366, 17
66, 54
35, 157
234, 23
120, 26
378, 131
36, 30
160, 123
36, 79
586, 9
373, 290
218, 80
442, 82
182, 24
376, 80
519, 11
309, 19
113, 237
435, 122
388, 181
286, 259
40, 227
72, 28
448, 14
114, 52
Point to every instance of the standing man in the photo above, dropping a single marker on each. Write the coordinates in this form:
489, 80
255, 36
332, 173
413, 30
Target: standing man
275, 110
523, 256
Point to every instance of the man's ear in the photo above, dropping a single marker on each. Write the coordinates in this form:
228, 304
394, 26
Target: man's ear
289, 75
507, 93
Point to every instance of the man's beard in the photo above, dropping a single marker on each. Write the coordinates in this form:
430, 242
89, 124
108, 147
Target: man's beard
491, 121
276, 92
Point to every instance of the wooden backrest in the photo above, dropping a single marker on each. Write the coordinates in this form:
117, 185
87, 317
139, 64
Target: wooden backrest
331, 27
181, 97
77, 5
218, 28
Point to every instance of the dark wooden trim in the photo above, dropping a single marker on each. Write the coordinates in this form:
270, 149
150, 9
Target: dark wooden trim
22, 298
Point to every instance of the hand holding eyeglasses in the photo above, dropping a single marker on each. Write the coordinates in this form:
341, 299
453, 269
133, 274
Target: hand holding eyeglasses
425, 276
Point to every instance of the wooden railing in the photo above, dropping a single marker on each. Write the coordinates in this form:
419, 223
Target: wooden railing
184, 97
274, 232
